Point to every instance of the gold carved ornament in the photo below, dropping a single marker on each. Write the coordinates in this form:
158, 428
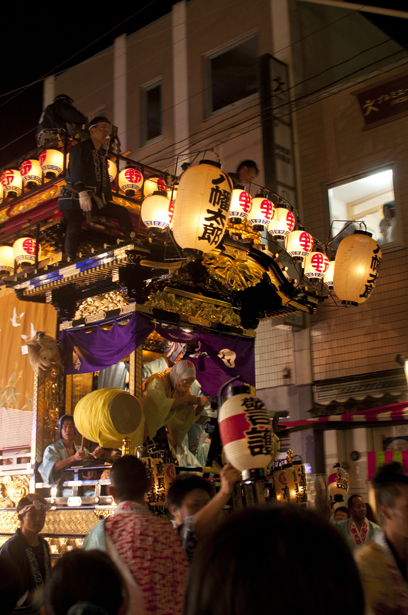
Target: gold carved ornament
15, 488
237, 274
102, 303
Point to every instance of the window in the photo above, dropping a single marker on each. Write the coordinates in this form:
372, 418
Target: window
369, 199
152, 112
233, 74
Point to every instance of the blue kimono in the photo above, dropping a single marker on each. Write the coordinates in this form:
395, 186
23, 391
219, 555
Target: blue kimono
53, 453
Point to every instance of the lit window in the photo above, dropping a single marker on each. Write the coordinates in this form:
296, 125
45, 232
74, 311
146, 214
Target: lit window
370, 199
152, 112
233, 74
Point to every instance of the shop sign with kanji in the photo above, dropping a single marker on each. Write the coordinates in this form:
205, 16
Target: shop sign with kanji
385, 102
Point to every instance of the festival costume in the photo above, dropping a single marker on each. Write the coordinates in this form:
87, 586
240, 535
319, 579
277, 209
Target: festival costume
355, 538
23, 555
385, 589
55, 118
149, 548
53, 453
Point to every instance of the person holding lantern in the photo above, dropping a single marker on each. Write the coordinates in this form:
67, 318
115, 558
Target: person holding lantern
358, 530
88, 189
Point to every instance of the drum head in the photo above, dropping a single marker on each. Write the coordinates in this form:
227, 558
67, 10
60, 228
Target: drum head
125, 413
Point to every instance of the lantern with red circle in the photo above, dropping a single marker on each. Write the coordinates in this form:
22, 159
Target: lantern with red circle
246, 432
154, 184
261, 214
282, 223
24, 250
52, 163
241, 205
299, 244
155, 211
31, 173
112, 170
329, 275
316, 265
12, 183
130, 181
286, 487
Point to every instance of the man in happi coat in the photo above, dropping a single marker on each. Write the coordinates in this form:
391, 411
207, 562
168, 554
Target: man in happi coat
357, 530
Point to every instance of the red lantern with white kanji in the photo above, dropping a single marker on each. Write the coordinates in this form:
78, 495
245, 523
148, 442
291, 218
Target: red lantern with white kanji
329, 275
282, 223
202, 206
24, 250
12, 183
299, 244
358, 261
130, 181
241, 205
154, 184
246, 432
155, 211
261, 213
31, 172
316, 265
112, 170
52, 162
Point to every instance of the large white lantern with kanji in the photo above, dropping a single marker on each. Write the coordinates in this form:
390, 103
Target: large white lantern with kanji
299, 244
12, 183
202, 206
24, 250
112, 170
329, 275
358, 260
52, 162
338, 483
246, 432
130, 181
241, 205
154, 184
316, 265
6, 259
155, 211
261, 214
31, 173
282, 223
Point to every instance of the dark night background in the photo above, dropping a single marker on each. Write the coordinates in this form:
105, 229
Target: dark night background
35, 46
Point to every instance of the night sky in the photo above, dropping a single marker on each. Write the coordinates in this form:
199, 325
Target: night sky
42, 45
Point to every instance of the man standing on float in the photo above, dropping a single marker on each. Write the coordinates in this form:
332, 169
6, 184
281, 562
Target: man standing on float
88, 187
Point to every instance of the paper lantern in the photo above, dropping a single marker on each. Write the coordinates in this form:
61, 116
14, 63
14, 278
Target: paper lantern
130, 181
7, 259
300, 471
338, 483
31, 173
1, 192
261, 213
246, 432
285, 483
12, 183
282, 223
316, 265
202, 206
52, 162
299, 244
112, 170
154, 184
328, 276
358, 260
155, 210
241, 205
24, 250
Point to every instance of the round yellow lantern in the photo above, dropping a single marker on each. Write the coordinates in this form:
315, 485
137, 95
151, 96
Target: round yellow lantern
299, 244
316, 265
202, 206
130, 181
24, 250
6, 259
12, 183
329, 275
282, 223
112, 170
261, 213
241, 205
155, 211
52, 162
358, 261
154, 184
31, 173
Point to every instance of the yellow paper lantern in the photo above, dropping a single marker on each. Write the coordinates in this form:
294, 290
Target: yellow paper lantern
241, 205
282, 223
24, 250
300, 472
130, 181
112, 170
52, 162
31, 172
316, 265
261, 213
202, 206
298, 244
1, 192
285, 483
154, 184
358, 260
155, 210
7, 259
12, 183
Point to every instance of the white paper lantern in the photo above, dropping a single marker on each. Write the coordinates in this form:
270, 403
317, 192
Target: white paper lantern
6, 259
24, 250
282, 223
298, 244
246, 432
155, 211
202, 206
31, 172
329, 275
130, 181
52, 162
241, 205
12, 182
338, 483
316, 265
154, 184
112, 170
261, 213
358, 260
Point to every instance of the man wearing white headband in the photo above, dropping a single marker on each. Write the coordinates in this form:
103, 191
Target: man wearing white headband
88, 187
30, 552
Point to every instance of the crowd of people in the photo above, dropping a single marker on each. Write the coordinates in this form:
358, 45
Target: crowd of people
279, 557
